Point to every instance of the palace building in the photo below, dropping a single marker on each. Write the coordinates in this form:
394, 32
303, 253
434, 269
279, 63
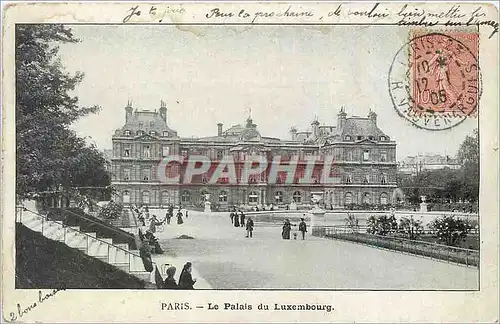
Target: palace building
364, 163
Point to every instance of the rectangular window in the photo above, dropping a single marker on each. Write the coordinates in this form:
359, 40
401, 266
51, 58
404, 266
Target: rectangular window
383, 156
220, 154
184, 153
166, 151
141, 125
366, 155
126, 174
147, 151
146, 174
126, 152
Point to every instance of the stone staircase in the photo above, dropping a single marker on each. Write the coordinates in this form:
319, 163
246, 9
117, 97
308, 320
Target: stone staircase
117, 254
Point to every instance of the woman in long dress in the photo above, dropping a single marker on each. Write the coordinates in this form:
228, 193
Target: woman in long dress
287, 227
186, 281
179, 218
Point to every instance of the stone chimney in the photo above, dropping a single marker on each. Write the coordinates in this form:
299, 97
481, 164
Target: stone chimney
341, 118
163, 110
373, 116
293, 132
219, 129
128, 111
315, 128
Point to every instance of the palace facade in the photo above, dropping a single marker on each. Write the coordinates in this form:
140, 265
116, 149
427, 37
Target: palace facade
364, 159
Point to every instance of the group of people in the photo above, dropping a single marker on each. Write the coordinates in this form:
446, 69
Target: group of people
287, 228
186, 280
170, 215
238, 220
151, 221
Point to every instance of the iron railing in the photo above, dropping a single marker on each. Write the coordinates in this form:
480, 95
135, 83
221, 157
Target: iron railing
436, 251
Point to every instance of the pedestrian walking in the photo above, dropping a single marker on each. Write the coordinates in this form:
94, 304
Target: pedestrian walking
249, 227
303, 228
186, 281
287, 227
231, 215
179, 218
242, 219
236, 220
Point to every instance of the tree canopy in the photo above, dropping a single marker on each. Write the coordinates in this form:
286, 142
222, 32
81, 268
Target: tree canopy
448, 184
49, 154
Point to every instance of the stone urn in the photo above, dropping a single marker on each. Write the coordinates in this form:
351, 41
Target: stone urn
208, 204
317, 213
423, 204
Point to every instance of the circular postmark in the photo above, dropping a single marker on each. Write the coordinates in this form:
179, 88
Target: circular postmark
434, 80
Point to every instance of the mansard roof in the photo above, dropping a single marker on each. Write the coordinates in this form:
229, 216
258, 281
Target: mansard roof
358, 126
147, 121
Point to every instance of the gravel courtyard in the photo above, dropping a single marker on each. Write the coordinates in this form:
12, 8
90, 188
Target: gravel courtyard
227, 260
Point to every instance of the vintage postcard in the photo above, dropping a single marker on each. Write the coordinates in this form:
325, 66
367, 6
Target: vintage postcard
250, 162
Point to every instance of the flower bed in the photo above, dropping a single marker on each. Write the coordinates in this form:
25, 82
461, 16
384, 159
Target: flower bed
435, 251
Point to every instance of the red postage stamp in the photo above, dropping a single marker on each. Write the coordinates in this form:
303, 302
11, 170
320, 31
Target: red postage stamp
444, 73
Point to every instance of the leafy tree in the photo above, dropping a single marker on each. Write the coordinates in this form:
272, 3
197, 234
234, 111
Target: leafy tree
451, 230
468, 156
49, 154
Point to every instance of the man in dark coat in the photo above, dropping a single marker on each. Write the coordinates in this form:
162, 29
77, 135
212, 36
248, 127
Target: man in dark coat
249, 227
303, 228
242, 219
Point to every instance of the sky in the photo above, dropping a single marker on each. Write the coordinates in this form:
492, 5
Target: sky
286, 75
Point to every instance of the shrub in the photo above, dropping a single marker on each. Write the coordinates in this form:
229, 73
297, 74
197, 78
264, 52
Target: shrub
410, 228
451, 230
381, 225
111, 211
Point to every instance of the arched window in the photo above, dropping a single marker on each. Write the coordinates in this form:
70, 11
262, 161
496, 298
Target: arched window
165, 199
297, 196
126, 133
152, 133
145, 197
253, 197
223, 196
347, 137
165, 134
139, 132
366, 198
383, 138
384, 198
348, 198
126, 197
366, 179
185, 196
